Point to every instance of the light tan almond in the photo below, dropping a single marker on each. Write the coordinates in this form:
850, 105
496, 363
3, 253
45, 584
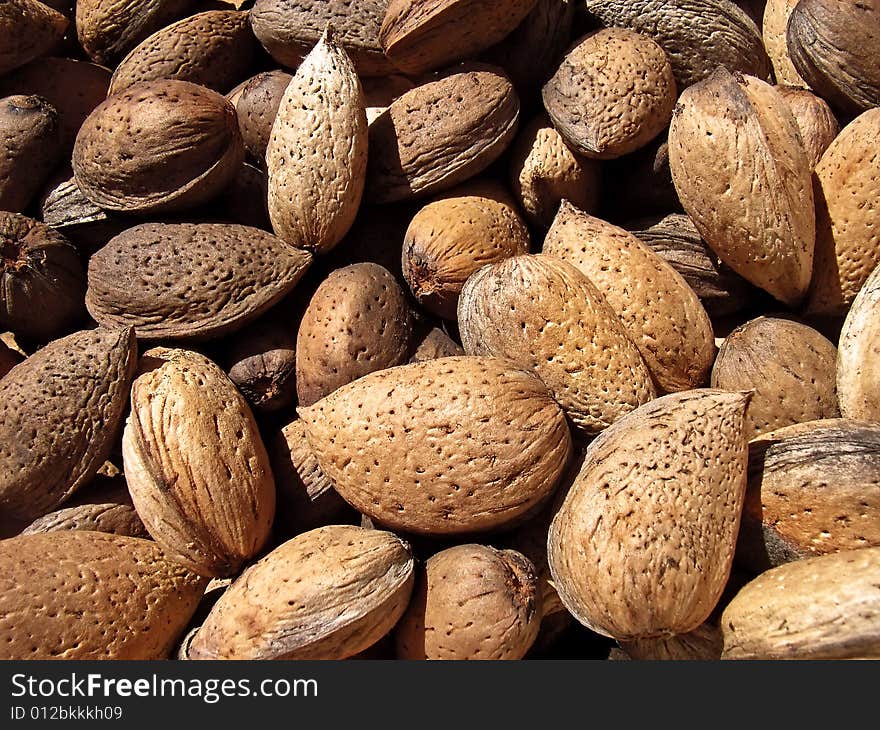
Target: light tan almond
858, 356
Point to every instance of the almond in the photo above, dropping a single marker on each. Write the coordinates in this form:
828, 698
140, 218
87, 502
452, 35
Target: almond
815, 120
449, 446
544, 315
232, 275
326, 594
775, 30
317, 154
789, 366
858, 365
261, 362
196, 466
28, 29
257, 107
89, 595
744, 178
661, 314
60, 414
643, 544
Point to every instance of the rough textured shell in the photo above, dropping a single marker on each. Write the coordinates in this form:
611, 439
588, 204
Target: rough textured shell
358, 321
30, 148
89, 595
214, 49
108, 29
306, 497
28, 29
661, 314
613, 93
435, 344
858, 356
60, 412
775, 30
289, 29
847, 235
421, 145
744, 178
822, 608
317, 154
472, 602
676, 239
814, 488
326, 594
42, 282
196, 466
545, 316
74, 88
544, 171
261, 361
257, 107
421, 35
789, 366
233, 274
836, 49
449, 239
158, 146
704, 643
456, 445
643, 544
815, 120
697, 35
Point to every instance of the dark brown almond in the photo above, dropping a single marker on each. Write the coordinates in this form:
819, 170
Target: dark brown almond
215, 49
60, 414
613, 93
790, 367
158, 146
261, 361
472, 602
306, 497
90, 595
450, 446
256, 107
30, 147
28, 29
358, 321
697, 35
73, 87
422, 35
42, 282
814, 488
233, 274
289, 29
423, 143
108, 29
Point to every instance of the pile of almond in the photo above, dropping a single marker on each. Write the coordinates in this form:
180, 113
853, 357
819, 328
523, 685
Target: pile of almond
439, 329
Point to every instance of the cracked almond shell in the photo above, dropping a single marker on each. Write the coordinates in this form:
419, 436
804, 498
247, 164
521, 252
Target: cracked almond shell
90, 595
471, 602
847, 236
814, 488
789, 366
643, 544
661, 314
158, 146
826, 607
698, 36
421, 145
232, 275
326, 594
317, 152
545, 316
214, 49
612, 94
422, 35
195, 464
450, 446
858, 354
60, 414
744, 178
